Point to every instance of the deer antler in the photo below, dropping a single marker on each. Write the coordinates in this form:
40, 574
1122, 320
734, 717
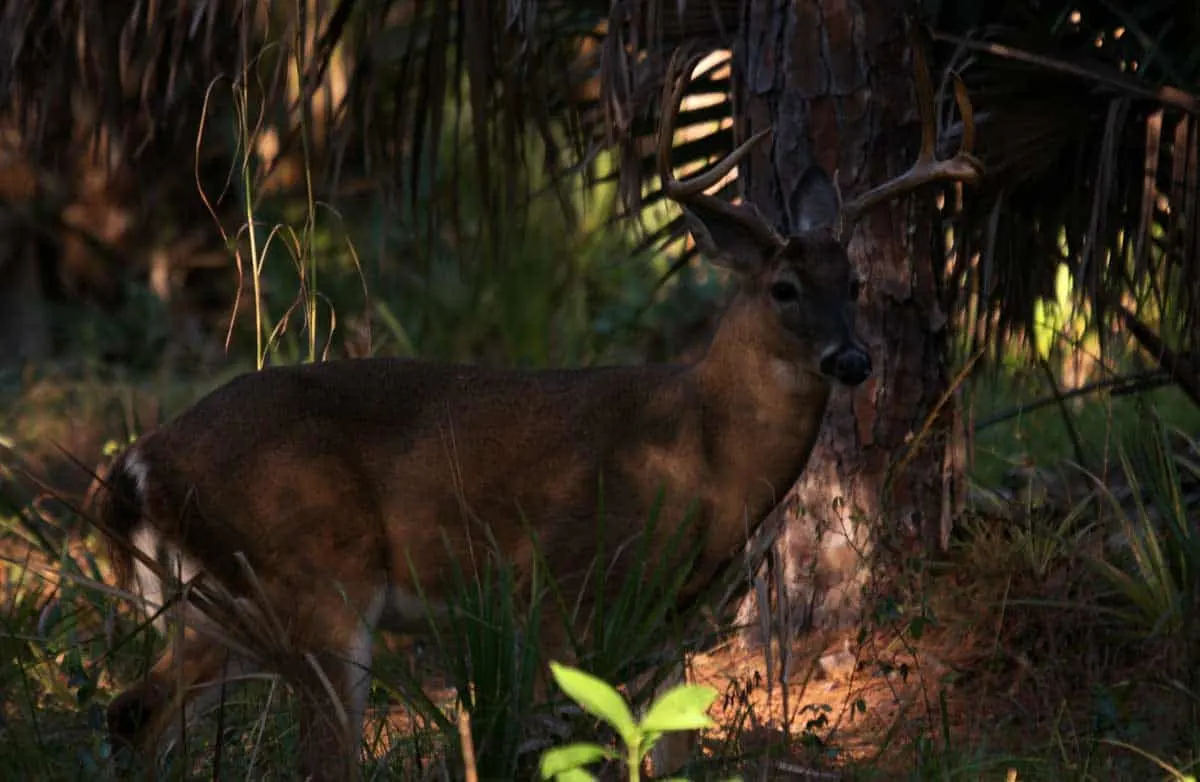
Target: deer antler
963, 167
691, 191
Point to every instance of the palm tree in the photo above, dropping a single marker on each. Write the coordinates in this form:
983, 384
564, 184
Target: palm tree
1086, 118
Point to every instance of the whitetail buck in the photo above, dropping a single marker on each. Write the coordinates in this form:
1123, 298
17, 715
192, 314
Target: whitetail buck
331, 492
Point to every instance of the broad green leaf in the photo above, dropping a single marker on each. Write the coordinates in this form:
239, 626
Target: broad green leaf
573, 756
683, 708
597, 698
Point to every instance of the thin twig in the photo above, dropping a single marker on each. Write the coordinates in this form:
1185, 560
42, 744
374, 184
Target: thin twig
1068, 421
1124, 384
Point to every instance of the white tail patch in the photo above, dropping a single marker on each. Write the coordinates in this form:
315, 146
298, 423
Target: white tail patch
147, 540
139, 469
146, 581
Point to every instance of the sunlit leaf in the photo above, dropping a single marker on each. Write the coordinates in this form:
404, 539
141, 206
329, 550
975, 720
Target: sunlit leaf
682, 708
561, 762
597, 697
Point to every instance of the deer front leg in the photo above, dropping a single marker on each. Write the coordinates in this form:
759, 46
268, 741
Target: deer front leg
331, 713
332, 680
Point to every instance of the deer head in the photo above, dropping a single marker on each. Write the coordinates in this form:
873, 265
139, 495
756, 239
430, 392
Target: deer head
804, 281
805, 278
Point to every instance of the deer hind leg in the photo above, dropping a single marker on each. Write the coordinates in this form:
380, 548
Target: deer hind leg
184, 682
331, 685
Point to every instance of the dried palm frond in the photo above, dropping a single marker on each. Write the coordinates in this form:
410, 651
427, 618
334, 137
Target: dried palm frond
1088, 130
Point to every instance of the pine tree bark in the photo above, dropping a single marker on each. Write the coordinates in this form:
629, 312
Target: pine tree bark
835, 81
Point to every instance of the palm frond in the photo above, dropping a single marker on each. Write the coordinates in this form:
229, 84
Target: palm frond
136, 78
1087, 128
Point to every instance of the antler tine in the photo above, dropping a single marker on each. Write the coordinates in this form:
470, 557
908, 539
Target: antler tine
690, 189
963, 167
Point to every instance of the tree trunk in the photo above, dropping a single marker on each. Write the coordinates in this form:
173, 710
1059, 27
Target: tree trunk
834, 79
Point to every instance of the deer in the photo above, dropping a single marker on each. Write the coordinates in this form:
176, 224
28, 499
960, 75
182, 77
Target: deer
337, 493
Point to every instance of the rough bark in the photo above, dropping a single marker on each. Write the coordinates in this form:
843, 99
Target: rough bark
834, 80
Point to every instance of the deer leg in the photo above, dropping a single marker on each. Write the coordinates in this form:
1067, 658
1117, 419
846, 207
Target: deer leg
183, 683
332, 697
332, 685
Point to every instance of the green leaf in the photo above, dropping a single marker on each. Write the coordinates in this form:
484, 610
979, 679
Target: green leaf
683, 708
575, 775
597, 698
573, 757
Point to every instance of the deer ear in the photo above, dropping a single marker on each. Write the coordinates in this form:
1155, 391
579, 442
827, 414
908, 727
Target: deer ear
815, 203
736, 237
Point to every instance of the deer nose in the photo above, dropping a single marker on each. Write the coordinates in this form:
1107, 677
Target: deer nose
848, 364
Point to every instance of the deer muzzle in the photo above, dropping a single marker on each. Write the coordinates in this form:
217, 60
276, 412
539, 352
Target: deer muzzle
849, 364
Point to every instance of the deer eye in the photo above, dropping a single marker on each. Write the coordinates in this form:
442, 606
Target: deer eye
855, 285
784, 292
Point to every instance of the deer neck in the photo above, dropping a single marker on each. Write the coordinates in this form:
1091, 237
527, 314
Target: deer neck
771, 407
